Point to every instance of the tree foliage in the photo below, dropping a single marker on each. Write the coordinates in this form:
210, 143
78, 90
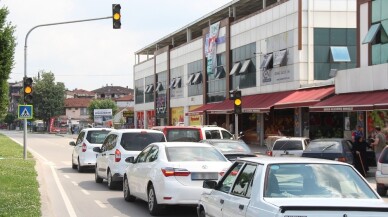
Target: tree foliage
102, 104
7, 49
9, 118
48, 97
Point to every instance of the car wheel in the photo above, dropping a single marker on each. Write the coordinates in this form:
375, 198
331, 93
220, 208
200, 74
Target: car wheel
381, 190
79, 167
111, 184
97, 178
127, 193
73, 165
202, 213
153, 206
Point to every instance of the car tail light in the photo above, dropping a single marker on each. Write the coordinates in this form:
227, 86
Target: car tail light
341, 159
169, 171
84, 147
117, 155
269, 153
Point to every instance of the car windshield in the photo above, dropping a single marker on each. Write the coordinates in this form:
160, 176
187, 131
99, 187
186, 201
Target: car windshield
96, 136
232, 147
324, 146
288, 145
315, 181
179, 154
138, 141
188, 135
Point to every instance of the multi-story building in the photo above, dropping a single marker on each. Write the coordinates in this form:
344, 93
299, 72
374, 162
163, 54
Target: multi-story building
281, 54
112, 92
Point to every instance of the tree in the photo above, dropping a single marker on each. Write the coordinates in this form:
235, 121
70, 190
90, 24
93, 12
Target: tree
9, 119
48, 97
102, 104
7, 50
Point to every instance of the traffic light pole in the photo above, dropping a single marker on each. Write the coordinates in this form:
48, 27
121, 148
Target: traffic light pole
236, 125
25, 67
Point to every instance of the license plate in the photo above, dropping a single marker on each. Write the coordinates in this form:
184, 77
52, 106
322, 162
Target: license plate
204, 176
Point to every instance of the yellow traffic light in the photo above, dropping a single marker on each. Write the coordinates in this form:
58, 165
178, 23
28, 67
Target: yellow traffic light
27, 90
237, 102
116, 15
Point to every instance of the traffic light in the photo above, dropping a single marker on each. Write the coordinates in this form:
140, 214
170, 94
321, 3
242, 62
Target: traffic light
27, 90
116, 16
237, 102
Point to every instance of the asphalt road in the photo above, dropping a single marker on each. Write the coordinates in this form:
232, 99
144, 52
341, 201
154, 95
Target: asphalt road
65, 192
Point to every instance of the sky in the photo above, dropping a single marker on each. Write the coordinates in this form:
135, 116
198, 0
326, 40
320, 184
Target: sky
90, 55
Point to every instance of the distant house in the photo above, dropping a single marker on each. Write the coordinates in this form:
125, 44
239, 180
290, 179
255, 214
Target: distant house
125, 101
77, 111
14, 96
112, 92
80, 93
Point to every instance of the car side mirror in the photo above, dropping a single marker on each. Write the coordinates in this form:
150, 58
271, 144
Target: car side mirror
130, 160
210, 184
97, 149
72, 143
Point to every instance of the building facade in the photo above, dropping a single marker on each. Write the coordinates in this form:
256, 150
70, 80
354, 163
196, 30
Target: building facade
281, 54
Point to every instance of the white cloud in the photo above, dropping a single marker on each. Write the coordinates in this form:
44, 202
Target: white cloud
90, 55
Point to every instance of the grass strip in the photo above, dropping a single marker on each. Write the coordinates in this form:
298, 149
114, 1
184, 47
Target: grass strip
19, 193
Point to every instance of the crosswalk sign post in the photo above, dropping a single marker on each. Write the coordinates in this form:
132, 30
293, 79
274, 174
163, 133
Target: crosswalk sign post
25, 111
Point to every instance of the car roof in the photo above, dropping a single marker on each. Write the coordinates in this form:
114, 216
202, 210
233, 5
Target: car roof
182, 144
281, 160
292, 138
174, 127
329, 139
136, 131
223, 141
97, 129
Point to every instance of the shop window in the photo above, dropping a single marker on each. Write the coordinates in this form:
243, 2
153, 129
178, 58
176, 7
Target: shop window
340, 54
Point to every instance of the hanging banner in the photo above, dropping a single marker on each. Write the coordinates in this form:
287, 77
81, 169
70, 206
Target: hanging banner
211, 47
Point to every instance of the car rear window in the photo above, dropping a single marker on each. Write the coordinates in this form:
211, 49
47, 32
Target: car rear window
175, 154
96, 136
324, 146
138, 141
189, 135
213, 134
288, 145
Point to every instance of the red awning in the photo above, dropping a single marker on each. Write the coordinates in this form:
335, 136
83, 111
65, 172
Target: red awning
224, 107
201, 109
360, 101
305, 97
262, 102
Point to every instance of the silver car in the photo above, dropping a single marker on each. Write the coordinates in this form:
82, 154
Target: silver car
382, 173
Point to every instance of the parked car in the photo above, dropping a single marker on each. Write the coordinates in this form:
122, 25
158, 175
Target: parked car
370, 155
289, 186
231, 149
83, 155
288, 146
172, 173
118, 145
382, 173
330, 148
193, 133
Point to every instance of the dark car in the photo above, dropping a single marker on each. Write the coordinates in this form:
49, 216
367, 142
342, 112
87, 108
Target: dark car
231, 149
330, 148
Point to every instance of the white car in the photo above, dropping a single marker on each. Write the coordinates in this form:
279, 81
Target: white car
382, 173
172, 173
118, 145
289, 147
83, 155
290, 187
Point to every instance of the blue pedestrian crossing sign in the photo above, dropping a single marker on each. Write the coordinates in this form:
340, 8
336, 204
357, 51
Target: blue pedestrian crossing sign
25, 111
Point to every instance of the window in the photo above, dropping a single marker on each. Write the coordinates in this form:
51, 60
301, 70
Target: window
245, 66
172, 83
371, 35
266, 60
142, 156
340, 54
279, 57
197, 78
191, 77
153, 154
177, 83
159, 87
228, 180
150, 88
236, 67
220, 72
244, 181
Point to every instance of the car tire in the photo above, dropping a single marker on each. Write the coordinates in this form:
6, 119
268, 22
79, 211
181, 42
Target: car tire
73, 165
127, 193
381, 190
79, 167
97, 178
153, 207
111, 184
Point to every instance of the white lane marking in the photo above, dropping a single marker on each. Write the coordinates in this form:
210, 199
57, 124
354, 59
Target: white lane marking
74, 183
100, 204
65, 198
85, 192
66, 176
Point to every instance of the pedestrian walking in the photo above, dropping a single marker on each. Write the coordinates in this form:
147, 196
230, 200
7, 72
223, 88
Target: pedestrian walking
379, 142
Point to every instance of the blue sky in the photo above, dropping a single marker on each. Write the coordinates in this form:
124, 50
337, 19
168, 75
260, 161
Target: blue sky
90, 55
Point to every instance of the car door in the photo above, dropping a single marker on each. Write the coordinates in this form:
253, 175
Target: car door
105, 155
136, 176
216, 198
78, 146
236, 203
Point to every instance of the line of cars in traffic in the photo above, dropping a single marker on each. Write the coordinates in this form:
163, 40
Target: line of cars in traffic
218, 174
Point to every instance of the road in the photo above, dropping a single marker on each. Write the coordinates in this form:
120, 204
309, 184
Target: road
67, 193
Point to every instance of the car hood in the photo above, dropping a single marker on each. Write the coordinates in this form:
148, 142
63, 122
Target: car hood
327, 202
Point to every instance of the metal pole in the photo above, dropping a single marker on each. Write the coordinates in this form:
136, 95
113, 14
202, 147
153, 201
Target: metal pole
236, 125
25, 67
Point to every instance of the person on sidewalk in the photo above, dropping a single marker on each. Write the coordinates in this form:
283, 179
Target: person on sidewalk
379, 143
359, 153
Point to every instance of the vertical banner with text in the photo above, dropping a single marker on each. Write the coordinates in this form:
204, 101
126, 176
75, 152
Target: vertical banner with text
211, 47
